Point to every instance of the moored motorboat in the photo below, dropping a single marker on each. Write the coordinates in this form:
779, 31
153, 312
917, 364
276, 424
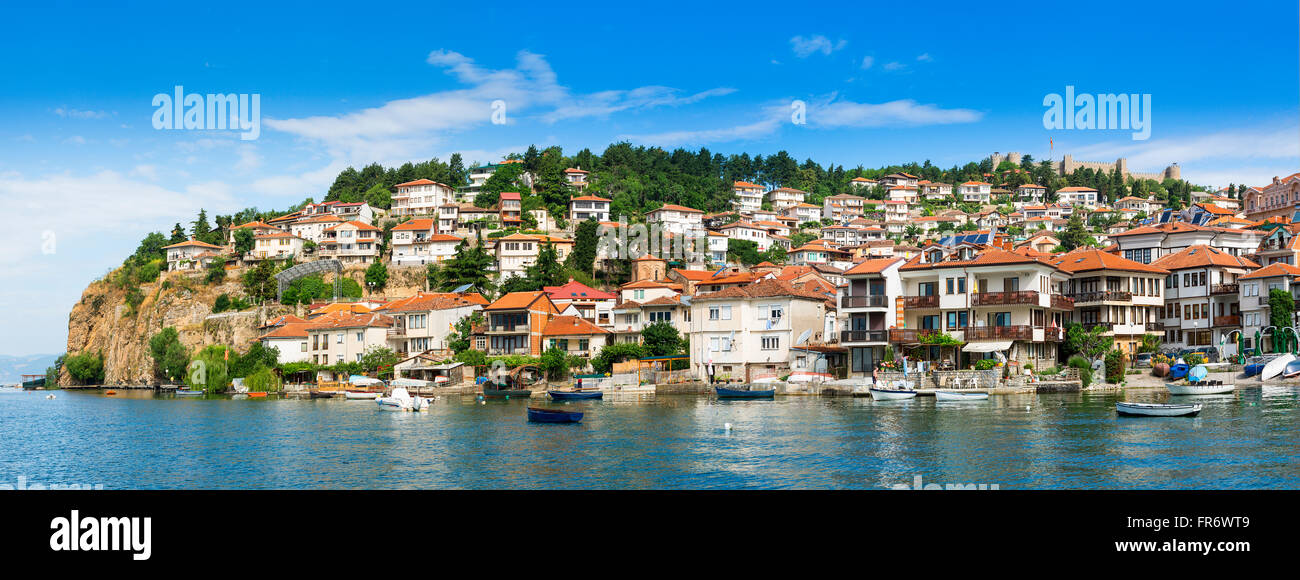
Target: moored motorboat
1292, 370
401, 400
188, 393
1275, 367
959, 396
575, 395
1199, 388
541, 415
881, 394
257, 394
322, 394
746, 392
1157, 409
360, 395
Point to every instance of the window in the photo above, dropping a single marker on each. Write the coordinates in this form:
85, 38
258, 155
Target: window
361, 336
771, 342
958, 319
339, 339
999, 319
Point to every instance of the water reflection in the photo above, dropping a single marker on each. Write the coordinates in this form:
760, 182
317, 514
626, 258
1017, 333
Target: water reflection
136, 439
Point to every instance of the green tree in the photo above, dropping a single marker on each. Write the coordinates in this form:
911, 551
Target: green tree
244, 241
1281, 308
216, 272
1075, 234
259, 281
209, 370
87, 367
554, 363
459, 341
470, 265
743, 251
379, 360
586, 238
546, 270
170, 357
1088, 341
609, 354
661, 339
377, 276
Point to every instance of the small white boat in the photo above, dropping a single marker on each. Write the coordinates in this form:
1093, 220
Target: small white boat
1198, 389
959, 396
401, 400
891, 394
360, 395
1157, 409
1275, 367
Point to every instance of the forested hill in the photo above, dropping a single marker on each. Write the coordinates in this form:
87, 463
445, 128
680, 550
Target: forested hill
640, 179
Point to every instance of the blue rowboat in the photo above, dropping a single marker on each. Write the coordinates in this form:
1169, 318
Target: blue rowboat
574, 395
540, 415
1178, 370
1254, 368
187, 393
746, 393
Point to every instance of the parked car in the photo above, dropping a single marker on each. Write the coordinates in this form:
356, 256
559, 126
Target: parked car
1142, 359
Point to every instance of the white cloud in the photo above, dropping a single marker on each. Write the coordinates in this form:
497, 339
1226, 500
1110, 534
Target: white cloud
604, 103
249, 159
75, 140
1252, 156
925, 57
833, 113
894, 65
805, 47
867, 61
70, 113
149, 172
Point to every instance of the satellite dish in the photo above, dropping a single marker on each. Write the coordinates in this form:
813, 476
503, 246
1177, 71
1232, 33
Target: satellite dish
803, 337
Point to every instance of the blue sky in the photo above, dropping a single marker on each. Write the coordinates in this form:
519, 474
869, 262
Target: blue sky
342, 85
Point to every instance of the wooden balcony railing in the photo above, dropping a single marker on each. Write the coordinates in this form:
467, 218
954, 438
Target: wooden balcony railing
863, 335
1104, 296
1018, 332
1227, 320
920, 301
864, 301
1005, 298
1060, 302
909, 335
1223, 289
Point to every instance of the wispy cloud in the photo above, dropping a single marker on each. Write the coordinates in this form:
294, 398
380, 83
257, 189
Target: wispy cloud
894, 66
805, 47
605, 103
1260, 153
925, 57
70, 113
826, 113
867, 61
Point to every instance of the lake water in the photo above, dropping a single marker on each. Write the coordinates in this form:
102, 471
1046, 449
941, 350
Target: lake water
1248, 439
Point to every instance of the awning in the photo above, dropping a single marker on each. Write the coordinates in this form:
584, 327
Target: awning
990, 346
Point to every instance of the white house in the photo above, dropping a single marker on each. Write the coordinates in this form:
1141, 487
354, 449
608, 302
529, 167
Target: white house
744, 333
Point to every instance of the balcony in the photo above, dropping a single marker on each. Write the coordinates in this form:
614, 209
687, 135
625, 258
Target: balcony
508, 329
1060, 302
1019, 332
909, 335
1104, 296
1223, 289
921, 301
864, 301
1089, 325
863, 336
1227, 320
1005, 298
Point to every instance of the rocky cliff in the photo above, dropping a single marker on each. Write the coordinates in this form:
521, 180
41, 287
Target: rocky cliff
102, 320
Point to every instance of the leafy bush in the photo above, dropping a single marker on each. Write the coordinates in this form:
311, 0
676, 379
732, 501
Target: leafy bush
262, 379
1115, 366
1084, 366
985, 364
86, 367
170, 357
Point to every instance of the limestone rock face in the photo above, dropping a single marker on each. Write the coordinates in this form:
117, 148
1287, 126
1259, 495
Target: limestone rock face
103, 322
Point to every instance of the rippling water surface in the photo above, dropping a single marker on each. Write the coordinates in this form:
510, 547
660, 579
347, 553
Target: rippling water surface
1248, 439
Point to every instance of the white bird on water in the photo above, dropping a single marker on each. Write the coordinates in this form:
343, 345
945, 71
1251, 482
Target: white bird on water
727, 426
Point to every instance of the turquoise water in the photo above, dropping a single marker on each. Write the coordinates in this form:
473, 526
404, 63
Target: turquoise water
1248, 439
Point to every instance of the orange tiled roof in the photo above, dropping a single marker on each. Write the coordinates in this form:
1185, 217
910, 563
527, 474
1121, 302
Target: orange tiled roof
518, 300
1271, 270
570, 326
1087, 260
1201, 255
872, 266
